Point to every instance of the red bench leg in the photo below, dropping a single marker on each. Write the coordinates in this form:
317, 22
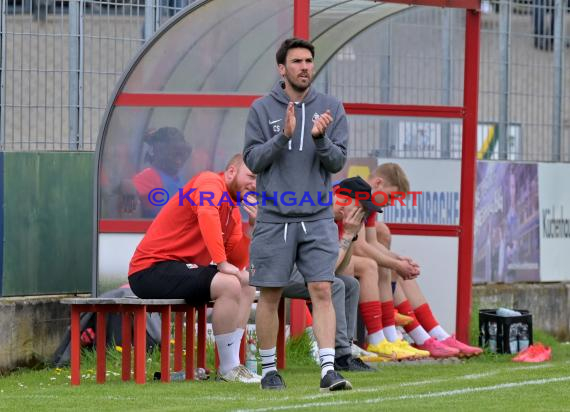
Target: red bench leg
126, 326
101, 342
201, 336
242, 347
75, 348
165, 345
190, 320
178, 321
140, 344
298, 309
281, 336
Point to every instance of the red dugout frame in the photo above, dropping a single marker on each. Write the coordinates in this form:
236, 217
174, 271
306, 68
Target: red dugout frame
468, 114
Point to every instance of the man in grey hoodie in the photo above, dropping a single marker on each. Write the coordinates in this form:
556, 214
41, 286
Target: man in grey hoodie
295, 138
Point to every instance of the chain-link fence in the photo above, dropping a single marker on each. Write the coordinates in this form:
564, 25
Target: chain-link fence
61, 60
417, 57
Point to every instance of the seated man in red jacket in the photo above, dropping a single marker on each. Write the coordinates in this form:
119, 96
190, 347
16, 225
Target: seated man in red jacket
184, 255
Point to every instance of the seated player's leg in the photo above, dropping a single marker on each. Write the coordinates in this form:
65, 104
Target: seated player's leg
425, 317
388, 309
421, 338
366, 271
422, 310
346, 319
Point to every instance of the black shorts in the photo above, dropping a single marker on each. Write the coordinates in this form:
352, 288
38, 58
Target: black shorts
174, 280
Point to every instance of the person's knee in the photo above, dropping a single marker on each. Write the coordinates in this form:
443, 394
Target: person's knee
230, 288
367, 269
383, 234
248, 293
351, 286
338, 287
320, 291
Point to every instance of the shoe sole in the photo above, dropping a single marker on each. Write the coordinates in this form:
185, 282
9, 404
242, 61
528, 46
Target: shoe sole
339, 386
273, 388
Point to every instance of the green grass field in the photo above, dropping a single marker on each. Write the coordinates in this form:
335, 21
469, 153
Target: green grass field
491, 382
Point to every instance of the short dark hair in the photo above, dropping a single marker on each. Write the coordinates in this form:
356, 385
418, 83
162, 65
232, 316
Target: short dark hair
293, 43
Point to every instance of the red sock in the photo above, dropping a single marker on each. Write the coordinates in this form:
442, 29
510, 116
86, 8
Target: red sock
308, 317
372, 315
388, 313
425, 317
405, 308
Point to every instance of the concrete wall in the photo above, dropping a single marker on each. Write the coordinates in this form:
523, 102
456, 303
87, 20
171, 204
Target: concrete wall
549, 303
31, 329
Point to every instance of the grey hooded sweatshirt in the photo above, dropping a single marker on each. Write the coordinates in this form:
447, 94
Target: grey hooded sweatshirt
294, 175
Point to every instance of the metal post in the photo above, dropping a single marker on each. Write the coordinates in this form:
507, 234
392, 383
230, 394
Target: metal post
385, 79
150, 14
301, 12
75, 73
558, 80
446, 80
468, 173
504, 76
2, 75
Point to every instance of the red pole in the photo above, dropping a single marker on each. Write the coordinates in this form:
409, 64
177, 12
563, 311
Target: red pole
75, 346
190, 321
140, 344
178, 321
297, 316
301, 16
468, 174
101, 343
201, 336
165, 343
126, 344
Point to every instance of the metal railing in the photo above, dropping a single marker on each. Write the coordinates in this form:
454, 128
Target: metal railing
60, 61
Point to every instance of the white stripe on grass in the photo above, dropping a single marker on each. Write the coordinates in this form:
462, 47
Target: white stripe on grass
427, 382
441, 394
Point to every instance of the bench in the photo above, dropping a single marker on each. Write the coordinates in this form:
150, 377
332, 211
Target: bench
138, 308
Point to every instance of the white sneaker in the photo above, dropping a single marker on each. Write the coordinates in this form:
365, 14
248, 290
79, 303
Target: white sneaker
250, 373
357, 351
238, 374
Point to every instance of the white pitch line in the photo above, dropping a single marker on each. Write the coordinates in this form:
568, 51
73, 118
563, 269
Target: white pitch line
415, 396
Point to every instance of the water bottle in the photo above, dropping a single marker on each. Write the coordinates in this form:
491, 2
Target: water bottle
513, 338
524, 339
492, 337
251, 360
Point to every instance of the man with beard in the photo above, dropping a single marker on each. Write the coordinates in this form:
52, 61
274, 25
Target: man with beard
184, 255
295, 138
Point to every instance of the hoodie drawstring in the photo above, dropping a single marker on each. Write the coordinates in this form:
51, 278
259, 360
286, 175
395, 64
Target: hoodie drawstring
287, 226
302, 127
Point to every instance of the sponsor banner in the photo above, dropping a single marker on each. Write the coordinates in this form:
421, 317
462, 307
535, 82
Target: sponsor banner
507, 241
439, 182
554, 222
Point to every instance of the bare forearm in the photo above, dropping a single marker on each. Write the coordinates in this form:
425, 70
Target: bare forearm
344, 253
378, 252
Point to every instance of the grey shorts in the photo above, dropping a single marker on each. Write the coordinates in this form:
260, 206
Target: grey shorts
277, 247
